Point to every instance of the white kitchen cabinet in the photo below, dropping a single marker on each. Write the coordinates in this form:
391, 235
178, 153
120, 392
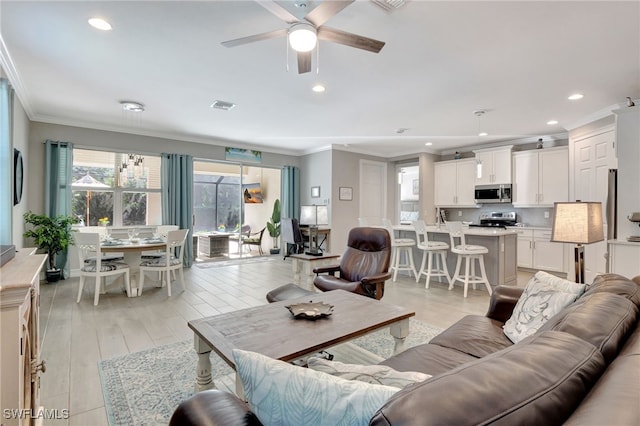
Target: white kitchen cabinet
540, 177
536, 251
454, 183
496, 165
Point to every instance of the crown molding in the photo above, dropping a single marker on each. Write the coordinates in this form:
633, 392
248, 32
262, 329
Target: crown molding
9, 68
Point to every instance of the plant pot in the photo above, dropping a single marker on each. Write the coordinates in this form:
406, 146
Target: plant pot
274, 251
53, 275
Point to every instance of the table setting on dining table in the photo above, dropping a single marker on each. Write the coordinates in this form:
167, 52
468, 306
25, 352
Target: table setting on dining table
132, 250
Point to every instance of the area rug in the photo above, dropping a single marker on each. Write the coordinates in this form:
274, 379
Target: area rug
144, 388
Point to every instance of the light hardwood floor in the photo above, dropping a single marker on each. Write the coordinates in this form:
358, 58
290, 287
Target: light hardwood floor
76, 336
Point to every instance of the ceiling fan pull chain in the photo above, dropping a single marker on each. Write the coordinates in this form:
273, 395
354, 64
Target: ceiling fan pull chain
318, 58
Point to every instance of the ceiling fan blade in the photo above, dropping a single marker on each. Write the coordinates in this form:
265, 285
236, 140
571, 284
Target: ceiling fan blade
349, 39
326, 11
304, 62
255, 37
278, 10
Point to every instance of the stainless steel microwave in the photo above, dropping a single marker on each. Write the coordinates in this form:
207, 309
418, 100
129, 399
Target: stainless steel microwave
485, 194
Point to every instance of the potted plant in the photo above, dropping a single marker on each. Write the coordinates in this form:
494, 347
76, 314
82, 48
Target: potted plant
273, 226
51, 234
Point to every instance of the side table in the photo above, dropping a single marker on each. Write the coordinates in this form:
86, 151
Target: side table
303, 265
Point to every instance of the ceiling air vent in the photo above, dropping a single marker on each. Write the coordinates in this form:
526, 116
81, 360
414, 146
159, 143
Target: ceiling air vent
223, 105
389, 5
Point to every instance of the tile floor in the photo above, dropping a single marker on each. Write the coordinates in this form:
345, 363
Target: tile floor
76, 336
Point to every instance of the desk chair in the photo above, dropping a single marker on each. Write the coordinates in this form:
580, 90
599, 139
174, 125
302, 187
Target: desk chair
470, 253
292, 237
88, 246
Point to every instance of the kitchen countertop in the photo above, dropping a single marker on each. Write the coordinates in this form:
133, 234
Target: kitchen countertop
442, 229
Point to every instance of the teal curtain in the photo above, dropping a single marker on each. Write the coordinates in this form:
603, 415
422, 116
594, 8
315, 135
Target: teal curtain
290, 192
6, 162
57, 187
177, 193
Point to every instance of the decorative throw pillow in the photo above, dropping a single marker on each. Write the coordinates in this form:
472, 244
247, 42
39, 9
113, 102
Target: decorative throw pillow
544, 296
283, 394
374, 374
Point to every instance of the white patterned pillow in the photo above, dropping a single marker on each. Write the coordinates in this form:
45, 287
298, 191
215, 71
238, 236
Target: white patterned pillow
283, 394
544, 296
374, 374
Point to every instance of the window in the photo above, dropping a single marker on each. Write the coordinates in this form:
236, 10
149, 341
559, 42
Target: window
103, 188
216, 202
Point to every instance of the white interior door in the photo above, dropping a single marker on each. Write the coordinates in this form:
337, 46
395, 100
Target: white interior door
373, 191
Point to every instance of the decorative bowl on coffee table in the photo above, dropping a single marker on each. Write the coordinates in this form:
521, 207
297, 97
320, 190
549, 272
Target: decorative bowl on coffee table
310, 310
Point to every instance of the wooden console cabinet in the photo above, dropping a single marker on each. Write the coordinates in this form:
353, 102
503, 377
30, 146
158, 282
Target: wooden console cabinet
20, 365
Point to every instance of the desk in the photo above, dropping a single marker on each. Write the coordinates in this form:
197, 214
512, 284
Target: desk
132, 252
323, 237
303, 265
253, 329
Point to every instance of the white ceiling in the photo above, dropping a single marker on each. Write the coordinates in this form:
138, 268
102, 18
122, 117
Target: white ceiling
442, 61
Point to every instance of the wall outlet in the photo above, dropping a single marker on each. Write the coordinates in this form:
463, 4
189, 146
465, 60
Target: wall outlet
459, 213
546, 214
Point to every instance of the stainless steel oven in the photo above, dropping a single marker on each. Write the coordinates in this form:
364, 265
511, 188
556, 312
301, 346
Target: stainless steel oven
485, 194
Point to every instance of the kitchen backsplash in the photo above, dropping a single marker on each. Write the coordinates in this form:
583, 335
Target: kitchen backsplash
528, 216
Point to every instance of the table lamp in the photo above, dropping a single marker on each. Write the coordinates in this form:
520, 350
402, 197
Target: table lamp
578, 223
313, 216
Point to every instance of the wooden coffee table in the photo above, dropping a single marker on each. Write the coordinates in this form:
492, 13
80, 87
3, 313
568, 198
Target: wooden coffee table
271, 330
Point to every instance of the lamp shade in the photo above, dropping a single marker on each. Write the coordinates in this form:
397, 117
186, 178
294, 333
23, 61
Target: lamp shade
314, 215
577, 222
302, 37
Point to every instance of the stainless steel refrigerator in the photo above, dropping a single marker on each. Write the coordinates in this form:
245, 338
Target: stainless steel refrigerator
612, 208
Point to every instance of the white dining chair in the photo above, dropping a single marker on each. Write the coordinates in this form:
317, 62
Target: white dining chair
431, 249
102, 230
88, 245
400, 246
171, 261
470, 253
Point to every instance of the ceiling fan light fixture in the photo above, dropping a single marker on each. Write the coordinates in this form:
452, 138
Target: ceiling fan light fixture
303, 37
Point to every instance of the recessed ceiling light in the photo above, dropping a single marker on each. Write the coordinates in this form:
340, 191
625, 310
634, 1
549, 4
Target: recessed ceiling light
100, 24
132, 106
483, 134
428, 144
318, 88
552, 122
576, 96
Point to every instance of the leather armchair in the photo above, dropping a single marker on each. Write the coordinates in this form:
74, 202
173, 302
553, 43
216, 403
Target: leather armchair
364, 267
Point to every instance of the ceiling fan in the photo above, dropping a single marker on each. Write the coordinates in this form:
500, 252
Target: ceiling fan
303, 33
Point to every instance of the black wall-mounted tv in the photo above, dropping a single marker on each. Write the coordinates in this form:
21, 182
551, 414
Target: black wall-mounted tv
252, 193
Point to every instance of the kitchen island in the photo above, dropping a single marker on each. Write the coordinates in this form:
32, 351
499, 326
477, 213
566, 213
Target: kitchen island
500, 262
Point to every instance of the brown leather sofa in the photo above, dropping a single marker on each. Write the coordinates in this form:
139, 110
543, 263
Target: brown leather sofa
581, 368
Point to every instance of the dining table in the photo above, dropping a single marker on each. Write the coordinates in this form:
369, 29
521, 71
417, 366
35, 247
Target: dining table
132, 250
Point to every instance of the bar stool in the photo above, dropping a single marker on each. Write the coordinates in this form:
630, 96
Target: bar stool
470, 253
398, 247
429, 250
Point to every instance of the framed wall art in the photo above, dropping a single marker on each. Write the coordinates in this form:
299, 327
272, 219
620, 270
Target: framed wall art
345, 193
